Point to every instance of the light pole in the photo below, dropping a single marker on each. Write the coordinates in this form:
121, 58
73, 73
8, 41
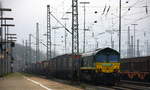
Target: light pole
84, 24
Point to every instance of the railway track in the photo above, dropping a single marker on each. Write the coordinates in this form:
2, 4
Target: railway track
123, 85
132, 87
136, 83
129, 85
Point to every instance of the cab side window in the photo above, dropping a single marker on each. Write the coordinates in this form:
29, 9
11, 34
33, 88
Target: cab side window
87, 61
82, 62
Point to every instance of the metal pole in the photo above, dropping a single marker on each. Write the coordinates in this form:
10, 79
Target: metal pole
65, 39
134, 42
30, 60
84, 24
134, 47
7, 30
37, 42
75, 32
49, 43
84, 32
5, 65
26, 53
1, 35
12, 58
129, 45
1, 32
54, 43
23, 56
147, 44
138, 50
120, 27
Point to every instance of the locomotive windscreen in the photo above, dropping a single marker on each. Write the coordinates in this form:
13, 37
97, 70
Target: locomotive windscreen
113, 58
107, 58
107, 55
101, 58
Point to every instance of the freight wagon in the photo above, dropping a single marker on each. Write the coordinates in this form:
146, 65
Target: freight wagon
136, 68
64, 66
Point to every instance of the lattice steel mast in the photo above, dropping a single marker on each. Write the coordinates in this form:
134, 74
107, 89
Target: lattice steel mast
75, 33
48, 33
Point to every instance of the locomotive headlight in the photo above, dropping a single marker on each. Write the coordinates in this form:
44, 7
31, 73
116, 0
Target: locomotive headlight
100, 70
116, 70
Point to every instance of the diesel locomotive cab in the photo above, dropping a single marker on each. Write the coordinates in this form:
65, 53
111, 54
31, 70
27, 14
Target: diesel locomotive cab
107, 65
107, 61
101, 65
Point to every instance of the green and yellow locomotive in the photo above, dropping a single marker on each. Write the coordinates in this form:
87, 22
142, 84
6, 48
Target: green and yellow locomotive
101, 65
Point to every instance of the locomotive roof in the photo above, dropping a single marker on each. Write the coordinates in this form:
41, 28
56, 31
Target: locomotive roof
97, 51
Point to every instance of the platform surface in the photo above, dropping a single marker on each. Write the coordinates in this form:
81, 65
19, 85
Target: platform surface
18, 81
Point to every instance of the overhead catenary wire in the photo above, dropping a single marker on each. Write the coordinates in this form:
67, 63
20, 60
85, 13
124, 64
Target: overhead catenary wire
142, 18
129, 8
122, 14
108, 10
104, 9
139, 19
65, 12
60, 23
39, 41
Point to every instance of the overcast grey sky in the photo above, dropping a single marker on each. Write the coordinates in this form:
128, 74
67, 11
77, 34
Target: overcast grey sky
28, 12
